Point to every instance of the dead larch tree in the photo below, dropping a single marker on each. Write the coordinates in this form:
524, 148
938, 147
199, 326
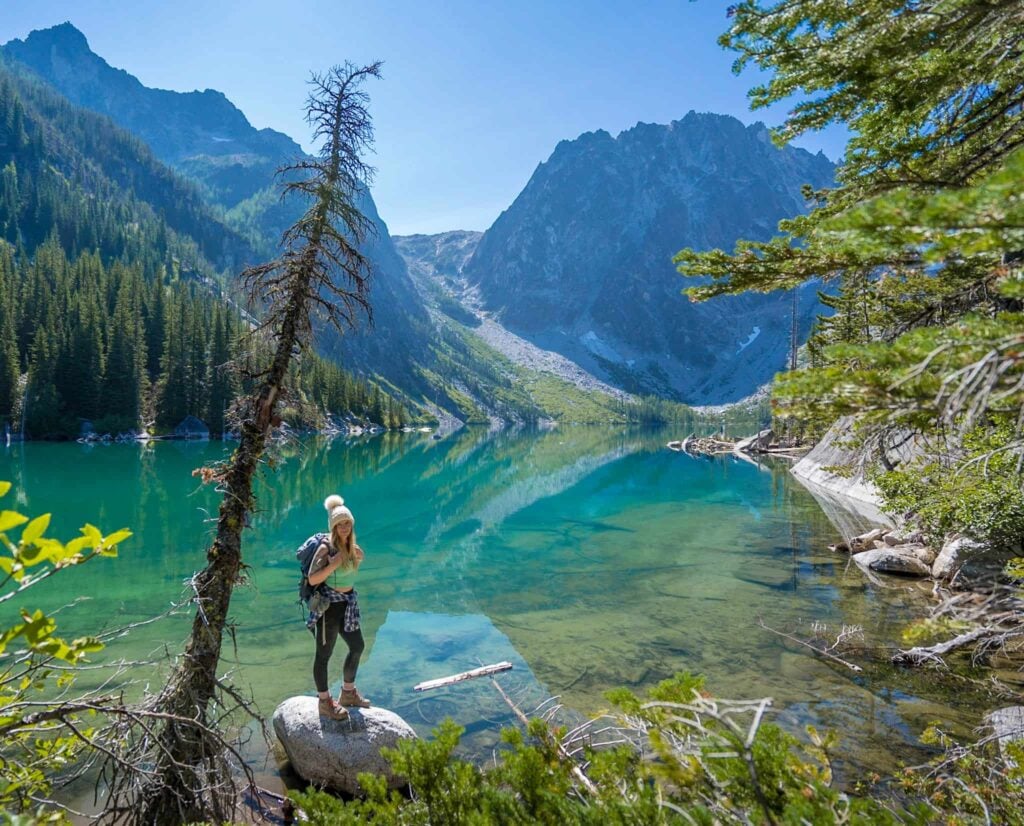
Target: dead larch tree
183, 773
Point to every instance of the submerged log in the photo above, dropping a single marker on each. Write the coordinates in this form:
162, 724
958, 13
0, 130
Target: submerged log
482, 671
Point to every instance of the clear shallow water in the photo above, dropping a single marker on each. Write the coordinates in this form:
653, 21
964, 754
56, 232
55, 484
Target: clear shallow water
590, 558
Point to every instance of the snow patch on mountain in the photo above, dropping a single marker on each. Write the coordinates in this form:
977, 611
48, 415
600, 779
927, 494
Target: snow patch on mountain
592, 341
750, 340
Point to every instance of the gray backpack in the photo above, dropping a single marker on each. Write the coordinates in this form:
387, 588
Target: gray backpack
305, 554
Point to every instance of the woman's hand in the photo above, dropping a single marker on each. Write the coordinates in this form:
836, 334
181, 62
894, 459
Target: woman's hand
322, 565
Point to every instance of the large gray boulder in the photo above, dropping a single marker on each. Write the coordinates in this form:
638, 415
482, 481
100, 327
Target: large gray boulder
956, 551
1008, 726
889, 561
757, 443
915, 549
332, 753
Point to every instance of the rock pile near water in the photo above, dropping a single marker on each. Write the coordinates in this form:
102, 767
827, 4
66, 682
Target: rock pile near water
887, 550
332, 753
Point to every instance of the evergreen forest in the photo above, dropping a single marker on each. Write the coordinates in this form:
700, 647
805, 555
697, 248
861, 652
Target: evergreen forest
113, 274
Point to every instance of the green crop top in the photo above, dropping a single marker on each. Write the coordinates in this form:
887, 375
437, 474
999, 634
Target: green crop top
343, 578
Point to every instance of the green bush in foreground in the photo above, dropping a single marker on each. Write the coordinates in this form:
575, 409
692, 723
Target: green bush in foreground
43, 729
699, 761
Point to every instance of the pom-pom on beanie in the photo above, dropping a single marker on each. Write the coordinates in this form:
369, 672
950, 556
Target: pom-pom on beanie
336, 511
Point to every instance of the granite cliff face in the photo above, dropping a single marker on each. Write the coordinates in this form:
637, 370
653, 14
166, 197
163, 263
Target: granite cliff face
207, 138
581, 261
444, 254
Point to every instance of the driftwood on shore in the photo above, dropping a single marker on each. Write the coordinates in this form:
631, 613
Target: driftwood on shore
763, 442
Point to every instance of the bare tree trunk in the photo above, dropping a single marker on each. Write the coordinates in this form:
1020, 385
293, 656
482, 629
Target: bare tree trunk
186, 769
183, 773
794, 329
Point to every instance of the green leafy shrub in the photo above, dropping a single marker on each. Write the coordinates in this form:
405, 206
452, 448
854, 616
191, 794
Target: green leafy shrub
39, 737
711, 762
978, 492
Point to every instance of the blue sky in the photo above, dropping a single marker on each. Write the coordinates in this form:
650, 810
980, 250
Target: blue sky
474, 95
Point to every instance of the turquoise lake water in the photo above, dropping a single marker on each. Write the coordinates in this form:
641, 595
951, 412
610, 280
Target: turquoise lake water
591, 558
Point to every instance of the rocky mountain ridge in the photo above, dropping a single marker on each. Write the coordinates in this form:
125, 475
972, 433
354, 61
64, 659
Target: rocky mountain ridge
574, 280
580, 263
201, 133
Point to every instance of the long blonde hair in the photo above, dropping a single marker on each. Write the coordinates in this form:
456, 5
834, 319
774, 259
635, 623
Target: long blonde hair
337, 513
347, 547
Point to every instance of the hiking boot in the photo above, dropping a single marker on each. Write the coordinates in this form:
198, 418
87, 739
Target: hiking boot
353, 698
330, 709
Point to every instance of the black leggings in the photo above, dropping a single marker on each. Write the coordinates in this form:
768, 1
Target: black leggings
326, 632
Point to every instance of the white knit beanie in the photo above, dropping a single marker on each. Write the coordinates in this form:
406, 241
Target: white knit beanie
336, 511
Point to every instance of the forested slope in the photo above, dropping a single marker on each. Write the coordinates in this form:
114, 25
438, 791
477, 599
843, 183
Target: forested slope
112, 276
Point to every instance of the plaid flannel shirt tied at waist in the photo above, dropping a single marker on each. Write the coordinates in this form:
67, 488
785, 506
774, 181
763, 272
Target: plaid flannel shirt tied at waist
324, 596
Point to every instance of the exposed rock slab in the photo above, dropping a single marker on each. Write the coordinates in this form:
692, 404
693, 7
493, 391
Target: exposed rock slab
332, 753
954, 553
836, 450
890, 561
1008, 726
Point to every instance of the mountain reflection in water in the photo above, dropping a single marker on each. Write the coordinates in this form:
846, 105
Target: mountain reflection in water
589, 557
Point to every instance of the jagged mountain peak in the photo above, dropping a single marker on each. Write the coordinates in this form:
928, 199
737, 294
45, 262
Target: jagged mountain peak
601, 219
65, 36
684, 129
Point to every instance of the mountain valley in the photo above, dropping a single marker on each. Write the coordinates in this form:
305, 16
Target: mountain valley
503, 325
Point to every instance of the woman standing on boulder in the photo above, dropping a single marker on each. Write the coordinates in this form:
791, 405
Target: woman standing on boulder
334, 607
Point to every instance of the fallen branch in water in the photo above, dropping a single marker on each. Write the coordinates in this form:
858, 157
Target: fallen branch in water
577, 772
933, 653
482, 671
995, 620
824, 652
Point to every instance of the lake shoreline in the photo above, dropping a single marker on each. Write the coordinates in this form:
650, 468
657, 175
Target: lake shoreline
516, 545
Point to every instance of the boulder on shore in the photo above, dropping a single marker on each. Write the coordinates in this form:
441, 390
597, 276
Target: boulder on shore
953, 555
332, 753
1008, 727
889, 561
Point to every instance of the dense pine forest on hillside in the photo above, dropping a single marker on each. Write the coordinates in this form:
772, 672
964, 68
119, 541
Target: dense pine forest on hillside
115, 310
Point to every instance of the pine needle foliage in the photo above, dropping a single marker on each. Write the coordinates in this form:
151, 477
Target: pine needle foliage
923, 232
